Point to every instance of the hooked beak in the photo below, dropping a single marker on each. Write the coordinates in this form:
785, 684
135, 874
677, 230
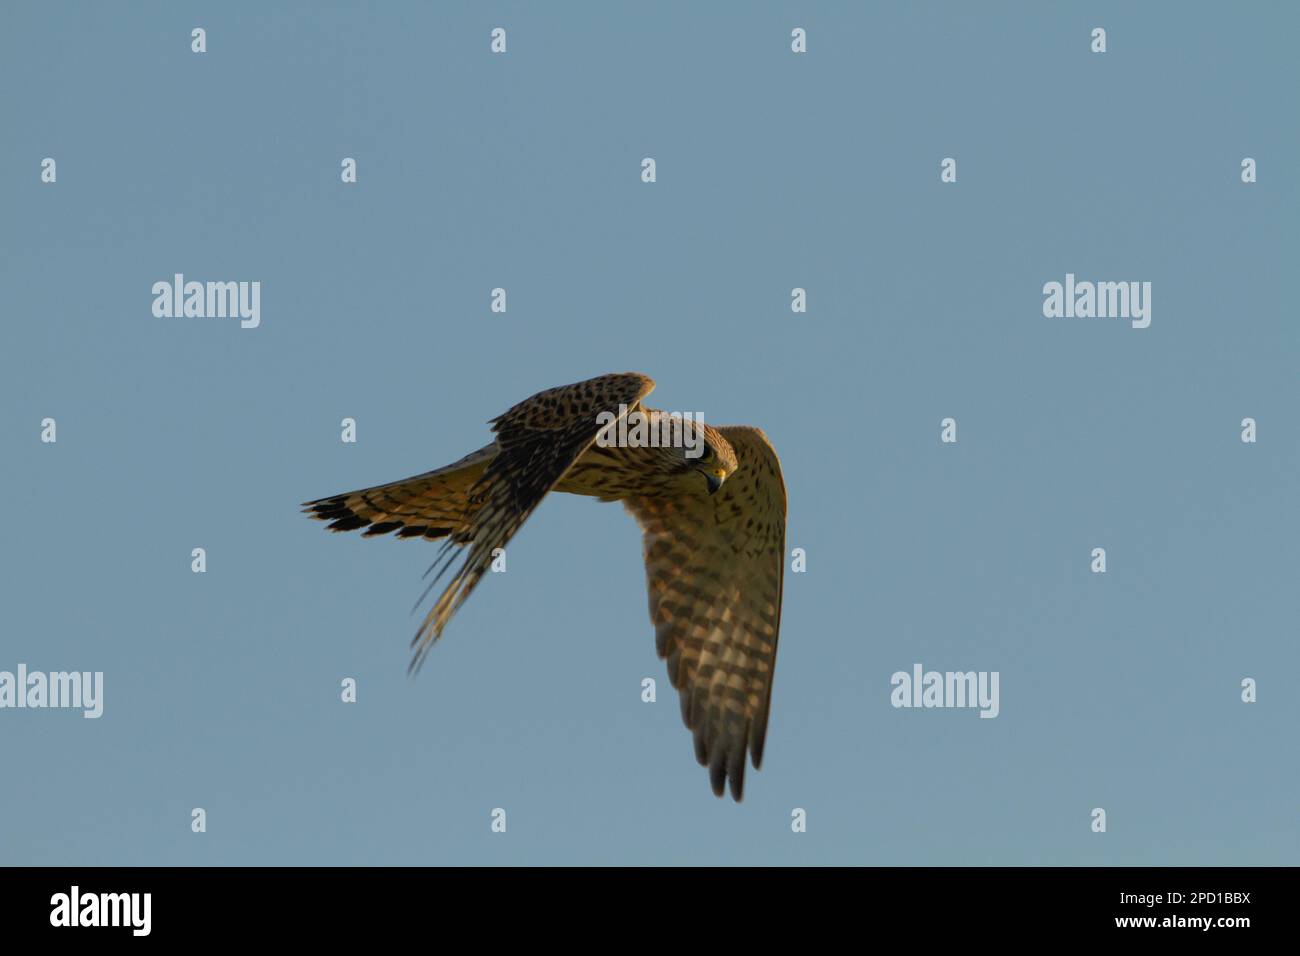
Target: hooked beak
715, 481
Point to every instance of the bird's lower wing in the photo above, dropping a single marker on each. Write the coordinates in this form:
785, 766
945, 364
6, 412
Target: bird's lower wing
537, 441
714, 570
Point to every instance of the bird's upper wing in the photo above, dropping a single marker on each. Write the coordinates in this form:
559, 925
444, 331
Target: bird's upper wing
432, 505
714, 569
537, 441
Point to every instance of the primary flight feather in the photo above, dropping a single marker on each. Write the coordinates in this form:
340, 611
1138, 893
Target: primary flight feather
713, 535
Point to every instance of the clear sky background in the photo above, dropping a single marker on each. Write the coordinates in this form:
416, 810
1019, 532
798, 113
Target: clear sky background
775, 170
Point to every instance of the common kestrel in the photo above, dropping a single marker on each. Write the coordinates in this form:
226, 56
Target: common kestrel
713, 536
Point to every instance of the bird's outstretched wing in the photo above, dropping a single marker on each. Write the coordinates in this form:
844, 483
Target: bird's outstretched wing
432, 505
714, 570
537, 441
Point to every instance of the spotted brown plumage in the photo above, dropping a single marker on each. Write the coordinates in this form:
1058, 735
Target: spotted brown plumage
713, 539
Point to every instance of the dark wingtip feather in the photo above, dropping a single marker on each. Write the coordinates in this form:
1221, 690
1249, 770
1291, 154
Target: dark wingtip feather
718, 772
757, 738
326, 509
736, 771
348, 523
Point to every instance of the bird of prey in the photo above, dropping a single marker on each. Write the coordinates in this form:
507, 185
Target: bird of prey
713, 525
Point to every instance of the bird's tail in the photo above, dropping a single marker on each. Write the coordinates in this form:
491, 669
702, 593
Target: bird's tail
433, 505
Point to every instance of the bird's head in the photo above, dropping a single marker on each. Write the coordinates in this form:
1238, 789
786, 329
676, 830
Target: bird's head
716, 461
695, 457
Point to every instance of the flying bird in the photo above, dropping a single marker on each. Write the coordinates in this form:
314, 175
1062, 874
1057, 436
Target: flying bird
712, 517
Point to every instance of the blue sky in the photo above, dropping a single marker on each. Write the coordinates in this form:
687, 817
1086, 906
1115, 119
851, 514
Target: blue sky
821, 171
